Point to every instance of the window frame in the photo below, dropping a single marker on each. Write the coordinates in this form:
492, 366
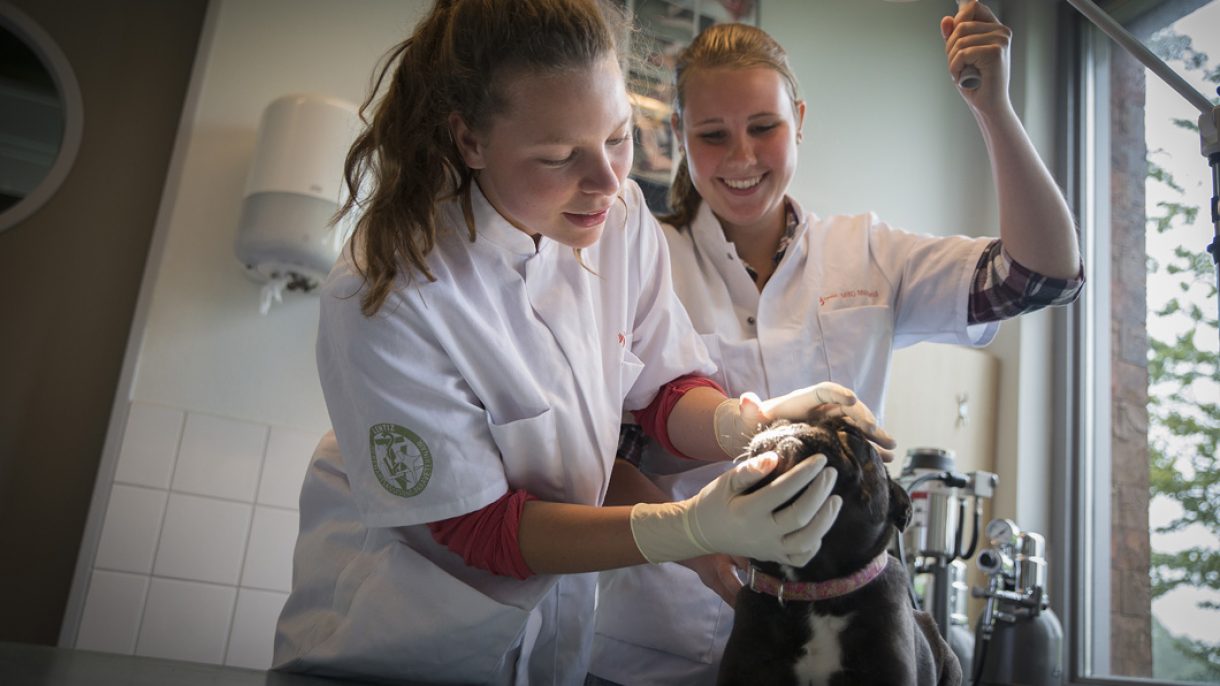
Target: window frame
1080, 489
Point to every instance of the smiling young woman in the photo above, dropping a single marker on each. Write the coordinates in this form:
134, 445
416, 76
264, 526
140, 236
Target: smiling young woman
784, 298
740, 128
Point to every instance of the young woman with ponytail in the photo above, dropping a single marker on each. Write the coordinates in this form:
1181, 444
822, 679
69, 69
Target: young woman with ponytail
784, 298
504, 297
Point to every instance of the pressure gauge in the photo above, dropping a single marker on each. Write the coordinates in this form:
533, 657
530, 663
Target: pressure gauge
1002, 531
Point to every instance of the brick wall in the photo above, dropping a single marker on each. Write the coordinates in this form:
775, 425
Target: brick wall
1131, 604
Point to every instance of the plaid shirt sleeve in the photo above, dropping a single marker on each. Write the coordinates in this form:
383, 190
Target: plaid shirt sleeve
1003, 288
631, 443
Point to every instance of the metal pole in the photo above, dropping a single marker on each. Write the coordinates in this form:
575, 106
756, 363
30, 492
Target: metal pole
1214, 248
1209, 114
940, 595
1120, 35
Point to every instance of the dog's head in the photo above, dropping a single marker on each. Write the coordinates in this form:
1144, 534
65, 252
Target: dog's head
872, 502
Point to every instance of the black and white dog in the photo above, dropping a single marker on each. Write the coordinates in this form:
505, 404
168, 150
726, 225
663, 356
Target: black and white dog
846, 617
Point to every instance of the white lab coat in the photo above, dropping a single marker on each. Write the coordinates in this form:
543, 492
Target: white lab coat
849, 290
510, 371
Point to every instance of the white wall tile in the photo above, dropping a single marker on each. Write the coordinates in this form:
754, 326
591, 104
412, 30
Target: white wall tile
112, 612
203, 539
288, 453
129, 534
252, 638
185, 620
150, 443
220, 457
269, 552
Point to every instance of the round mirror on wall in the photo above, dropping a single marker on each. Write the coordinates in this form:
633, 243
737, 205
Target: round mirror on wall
40, 116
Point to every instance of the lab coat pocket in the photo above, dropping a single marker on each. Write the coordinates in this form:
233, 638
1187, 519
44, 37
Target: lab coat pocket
407, 613
664, 607
630, 370
858, 343
527, 449
741, 367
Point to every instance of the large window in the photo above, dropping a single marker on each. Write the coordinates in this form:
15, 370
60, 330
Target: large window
1147, 494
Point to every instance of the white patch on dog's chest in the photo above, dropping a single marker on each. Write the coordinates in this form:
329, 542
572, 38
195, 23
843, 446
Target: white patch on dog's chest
823, 653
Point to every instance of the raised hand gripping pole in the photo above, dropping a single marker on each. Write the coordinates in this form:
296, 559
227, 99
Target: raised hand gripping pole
969, 78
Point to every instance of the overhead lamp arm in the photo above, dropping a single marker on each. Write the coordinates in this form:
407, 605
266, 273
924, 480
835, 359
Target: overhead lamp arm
1209, 114
1132, 45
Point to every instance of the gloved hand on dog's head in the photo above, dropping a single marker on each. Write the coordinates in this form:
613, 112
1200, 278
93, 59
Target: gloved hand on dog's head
724, 518
738, 419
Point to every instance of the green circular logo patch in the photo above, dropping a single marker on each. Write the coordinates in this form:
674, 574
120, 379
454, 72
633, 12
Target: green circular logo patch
401, 459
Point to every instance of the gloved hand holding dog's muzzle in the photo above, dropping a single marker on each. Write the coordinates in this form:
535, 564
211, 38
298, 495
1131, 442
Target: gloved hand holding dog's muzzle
723, 518
738, 419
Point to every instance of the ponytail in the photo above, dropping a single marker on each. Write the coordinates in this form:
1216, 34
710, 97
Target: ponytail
405, 162
684, 199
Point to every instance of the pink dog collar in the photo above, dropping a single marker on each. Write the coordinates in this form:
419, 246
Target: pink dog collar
762, 582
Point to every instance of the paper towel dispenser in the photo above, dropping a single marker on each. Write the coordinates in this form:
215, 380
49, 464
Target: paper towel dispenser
295, 185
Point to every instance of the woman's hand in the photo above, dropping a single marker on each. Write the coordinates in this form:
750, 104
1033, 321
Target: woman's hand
976, 37
737, 420
783, 521
717, 572
882, 442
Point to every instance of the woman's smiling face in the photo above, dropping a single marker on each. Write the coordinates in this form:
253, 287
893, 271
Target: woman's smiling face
739, 127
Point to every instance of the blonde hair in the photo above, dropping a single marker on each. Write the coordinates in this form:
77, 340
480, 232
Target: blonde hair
452, 63
734, 46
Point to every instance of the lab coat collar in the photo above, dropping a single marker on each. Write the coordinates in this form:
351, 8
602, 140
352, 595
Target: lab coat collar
494, 228
709, 236
708, 233
803, 219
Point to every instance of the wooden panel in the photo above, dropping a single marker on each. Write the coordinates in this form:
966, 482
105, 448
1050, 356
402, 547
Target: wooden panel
77, 263
945, 396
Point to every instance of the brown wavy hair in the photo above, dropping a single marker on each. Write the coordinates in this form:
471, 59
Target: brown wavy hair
735, 46
405, 162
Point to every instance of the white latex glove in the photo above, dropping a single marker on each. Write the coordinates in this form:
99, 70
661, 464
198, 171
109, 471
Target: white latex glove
738, 419
722, 519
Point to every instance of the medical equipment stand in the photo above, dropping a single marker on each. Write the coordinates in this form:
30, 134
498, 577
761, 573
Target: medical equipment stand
932, 543
1019, 640
1209, 117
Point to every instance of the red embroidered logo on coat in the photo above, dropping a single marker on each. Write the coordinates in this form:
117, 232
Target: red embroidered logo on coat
858, 293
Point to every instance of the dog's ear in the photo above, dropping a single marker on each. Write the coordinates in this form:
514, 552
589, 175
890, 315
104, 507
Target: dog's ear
900, 506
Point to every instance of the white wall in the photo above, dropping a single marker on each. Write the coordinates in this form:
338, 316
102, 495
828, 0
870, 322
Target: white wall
1024, 447
186, 555
205, 347
885, 129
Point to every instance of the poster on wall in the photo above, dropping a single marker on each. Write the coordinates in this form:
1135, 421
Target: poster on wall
666, 27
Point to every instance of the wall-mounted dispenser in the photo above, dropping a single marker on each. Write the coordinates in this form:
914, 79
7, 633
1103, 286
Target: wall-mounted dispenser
295, 185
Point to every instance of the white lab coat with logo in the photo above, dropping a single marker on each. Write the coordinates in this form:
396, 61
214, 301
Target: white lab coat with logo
511, 370
849, 290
